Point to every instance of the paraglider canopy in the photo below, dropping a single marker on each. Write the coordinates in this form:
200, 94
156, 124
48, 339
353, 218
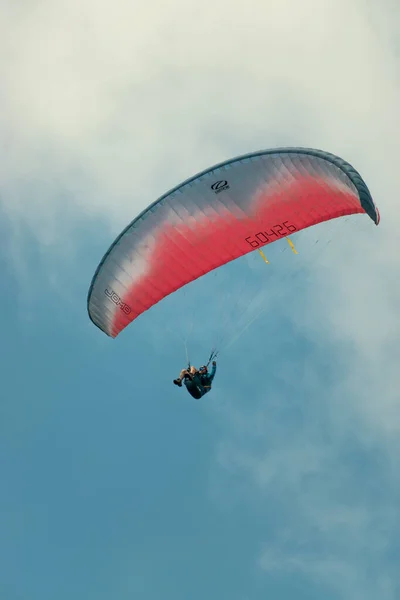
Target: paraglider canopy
215, 217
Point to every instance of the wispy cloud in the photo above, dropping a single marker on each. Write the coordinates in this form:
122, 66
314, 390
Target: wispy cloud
326, 492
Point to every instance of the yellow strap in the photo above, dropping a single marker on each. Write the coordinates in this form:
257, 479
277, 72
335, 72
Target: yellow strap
264, 257
292, 245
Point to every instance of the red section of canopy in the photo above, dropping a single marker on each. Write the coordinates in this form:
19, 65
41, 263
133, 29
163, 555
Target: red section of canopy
182, 254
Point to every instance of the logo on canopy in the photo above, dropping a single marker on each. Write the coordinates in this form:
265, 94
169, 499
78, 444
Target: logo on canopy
220, 186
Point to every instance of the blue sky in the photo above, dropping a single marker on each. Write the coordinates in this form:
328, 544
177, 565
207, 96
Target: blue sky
283, 482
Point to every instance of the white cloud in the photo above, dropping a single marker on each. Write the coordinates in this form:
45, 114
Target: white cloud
131, 100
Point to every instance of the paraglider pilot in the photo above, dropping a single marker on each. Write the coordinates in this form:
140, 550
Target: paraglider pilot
197, 382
